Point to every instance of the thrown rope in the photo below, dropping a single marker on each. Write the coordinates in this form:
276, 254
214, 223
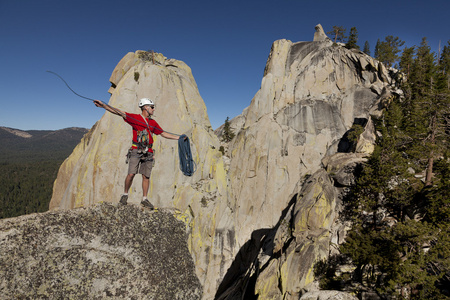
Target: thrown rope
112, 107
90, 99
187, 164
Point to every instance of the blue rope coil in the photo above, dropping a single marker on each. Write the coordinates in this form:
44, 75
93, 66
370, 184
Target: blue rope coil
187, 165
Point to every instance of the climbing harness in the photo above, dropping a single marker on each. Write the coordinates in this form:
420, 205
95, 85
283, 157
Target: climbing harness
142, 156
187, 164
143, 140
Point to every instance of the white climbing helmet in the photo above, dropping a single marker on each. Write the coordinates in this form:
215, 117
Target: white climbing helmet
145, 101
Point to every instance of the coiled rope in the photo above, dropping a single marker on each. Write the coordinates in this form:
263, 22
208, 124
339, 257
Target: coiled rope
187, 165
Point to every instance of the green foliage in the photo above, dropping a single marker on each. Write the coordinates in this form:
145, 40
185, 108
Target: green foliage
26, 187
387, 50
222, 150
354, 133
444, 66
438, 196
400, 205
366, 48
136, 76
406, 61
228, 133
352, 39
29, 166
325, 272
423, 70
148, 55
43, 145
339, 33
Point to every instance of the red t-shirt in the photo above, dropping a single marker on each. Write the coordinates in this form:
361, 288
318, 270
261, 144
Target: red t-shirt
139, 124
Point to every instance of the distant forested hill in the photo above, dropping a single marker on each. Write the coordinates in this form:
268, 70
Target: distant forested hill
38, 145
29, 163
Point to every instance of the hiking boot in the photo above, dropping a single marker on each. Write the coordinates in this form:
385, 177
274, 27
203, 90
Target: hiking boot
123, 200
146, 203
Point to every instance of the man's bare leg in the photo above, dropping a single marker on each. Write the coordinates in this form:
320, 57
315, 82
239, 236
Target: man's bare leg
145, 186
128, 182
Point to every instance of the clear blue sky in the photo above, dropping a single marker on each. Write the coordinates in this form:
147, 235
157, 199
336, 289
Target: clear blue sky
226, 44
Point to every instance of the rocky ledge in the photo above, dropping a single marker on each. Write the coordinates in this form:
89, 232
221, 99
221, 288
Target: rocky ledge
94, 253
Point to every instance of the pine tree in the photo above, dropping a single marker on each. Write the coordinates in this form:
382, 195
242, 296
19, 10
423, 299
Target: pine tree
384, 188
228, 133
387, 190
428, 113
377, 49
406, 60
444, 64
366, 48
352, 39
339, 33
387, 51
414, 138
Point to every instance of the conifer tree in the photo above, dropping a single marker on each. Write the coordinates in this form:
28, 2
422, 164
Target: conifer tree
228, 133
366, 48
423, 69
395, 214
377, 49
444, 65
339, 33
406, 60
387, 50
428, 109
352, 39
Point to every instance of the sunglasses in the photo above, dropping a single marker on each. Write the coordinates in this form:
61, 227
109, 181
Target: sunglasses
152, 107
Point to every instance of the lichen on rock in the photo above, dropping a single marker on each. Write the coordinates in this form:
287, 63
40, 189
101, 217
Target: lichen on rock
96, 253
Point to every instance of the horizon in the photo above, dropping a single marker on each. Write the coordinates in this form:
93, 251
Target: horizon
26, 130
225, 45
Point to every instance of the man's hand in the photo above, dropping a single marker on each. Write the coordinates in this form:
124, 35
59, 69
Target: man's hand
109, 108
99, 103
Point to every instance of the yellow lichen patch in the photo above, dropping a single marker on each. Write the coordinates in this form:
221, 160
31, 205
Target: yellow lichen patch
309, 277
284, 274
315, 214
183, 217
81, 194
267, 283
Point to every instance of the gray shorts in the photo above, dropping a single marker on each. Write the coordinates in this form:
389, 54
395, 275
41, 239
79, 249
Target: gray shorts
140, 163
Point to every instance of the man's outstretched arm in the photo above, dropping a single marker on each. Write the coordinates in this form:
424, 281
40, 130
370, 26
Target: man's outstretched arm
169, 136
111, 109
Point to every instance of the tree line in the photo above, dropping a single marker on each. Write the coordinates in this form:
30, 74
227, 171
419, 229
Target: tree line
29, 166
26, 187
399, 208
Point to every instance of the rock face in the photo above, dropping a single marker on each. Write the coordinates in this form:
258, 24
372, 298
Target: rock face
96, 253
259, 219
290, 159
319, 35
311, 95
327, 295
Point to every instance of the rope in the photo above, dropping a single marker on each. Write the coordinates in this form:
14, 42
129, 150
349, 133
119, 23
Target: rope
187, 165
90, 99
112, 107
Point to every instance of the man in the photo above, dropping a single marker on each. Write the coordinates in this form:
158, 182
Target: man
140, 155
